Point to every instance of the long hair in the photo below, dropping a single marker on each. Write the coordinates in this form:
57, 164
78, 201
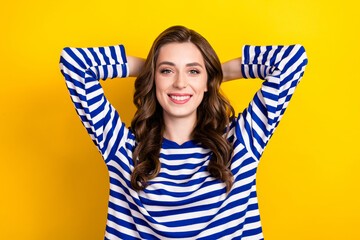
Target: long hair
213, 114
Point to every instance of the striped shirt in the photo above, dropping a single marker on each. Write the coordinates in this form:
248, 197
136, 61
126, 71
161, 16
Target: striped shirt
183, 201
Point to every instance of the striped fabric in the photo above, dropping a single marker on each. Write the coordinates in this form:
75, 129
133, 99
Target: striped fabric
183, 201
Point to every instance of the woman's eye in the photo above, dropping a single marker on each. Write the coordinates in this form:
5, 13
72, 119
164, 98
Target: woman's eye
194, 71
166, 71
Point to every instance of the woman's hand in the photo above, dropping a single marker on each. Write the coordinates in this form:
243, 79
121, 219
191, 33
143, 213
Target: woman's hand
136, 64
232, 69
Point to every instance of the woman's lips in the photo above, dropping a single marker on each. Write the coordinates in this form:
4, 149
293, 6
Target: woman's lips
179, 98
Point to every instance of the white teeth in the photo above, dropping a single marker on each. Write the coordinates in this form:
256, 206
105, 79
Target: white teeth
179, 98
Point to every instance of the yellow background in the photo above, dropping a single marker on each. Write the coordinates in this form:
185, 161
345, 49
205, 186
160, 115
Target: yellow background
53, 182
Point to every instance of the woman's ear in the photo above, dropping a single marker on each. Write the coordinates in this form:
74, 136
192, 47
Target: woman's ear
206, 87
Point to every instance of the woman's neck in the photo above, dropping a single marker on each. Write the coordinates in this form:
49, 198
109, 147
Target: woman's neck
179, 130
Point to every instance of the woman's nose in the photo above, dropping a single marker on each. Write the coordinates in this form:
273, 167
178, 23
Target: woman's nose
180, 81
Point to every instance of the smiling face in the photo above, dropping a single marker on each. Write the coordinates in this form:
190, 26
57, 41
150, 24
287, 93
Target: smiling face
180, 80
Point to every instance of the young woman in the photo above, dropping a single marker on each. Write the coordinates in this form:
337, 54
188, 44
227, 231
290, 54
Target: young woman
186, 168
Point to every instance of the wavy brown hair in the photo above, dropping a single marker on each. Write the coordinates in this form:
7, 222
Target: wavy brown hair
213, 114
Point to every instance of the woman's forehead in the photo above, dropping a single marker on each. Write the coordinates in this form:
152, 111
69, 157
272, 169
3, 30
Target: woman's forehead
180, 53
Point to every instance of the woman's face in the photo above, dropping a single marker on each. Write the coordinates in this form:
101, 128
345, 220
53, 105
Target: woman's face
180, 80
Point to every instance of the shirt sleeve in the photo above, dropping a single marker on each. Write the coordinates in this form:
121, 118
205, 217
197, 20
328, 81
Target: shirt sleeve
281, 67
82, 69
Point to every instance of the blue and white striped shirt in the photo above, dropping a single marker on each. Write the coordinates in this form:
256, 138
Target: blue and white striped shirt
183, 201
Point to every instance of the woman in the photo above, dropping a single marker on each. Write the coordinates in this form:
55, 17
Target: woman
186, 168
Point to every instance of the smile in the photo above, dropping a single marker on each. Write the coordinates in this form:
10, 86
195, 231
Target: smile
180, 99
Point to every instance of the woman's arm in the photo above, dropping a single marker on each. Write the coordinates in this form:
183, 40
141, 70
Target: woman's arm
232, 69
82, 69
281, 67
136, 65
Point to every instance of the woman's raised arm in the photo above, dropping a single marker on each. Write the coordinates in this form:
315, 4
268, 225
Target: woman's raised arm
82, 69
136, 64
282, 67
232, 69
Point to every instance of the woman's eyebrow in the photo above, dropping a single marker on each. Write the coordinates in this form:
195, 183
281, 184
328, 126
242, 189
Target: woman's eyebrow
173, 64
194, 64
166, 63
